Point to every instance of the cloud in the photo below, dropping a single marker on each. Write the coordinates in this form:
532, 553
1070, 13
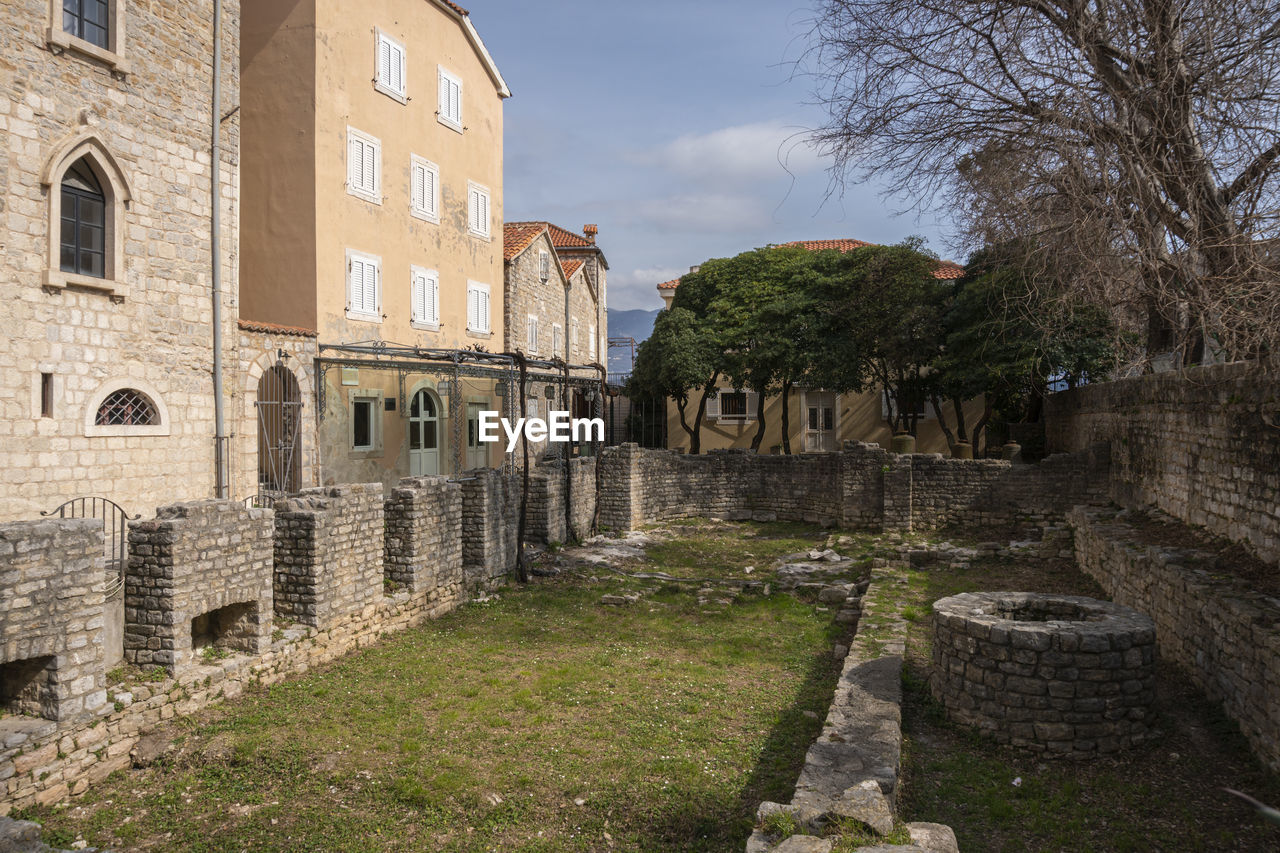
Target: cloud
706, 213
645, 277
733, 155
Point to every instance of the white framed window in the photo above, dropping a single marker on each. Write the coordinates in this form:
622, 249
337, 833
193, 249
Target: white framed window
477, 308
478, 209
424, 298
531, 407
557, 339
424, 189
364, 287
573, 335
591, 343
544, 265
531, 338
392, 63
364, 413
364, 166
732, 406
450, 110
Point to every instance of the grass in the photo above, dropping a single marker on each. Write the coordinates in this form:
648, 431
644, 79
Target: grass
723, 549
542, 721
1165, 795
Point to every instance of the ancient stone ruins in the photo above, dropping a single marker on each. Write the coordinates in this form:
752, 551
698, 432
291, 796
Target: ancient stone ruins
219, 596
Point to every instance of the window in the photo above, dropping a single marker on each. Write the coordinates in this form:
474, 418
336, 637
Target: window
127, 407
591, 344
391, 68
365, 421
573, 335
531, 407
533, 334
424, 296
478, 209
364, 287
477, 308
84, 222
544, 266
88, 20
46, 395
424, 192
450, 110
557, 340
364, 166
732, 406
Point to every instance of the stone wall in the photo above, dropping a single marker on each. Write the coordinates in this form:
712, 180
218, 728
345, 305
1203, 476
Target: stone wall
490, 525
200, 574
423, 549
863, 486
328, 553
51, 621
1223, 635
1201, 445
544, 519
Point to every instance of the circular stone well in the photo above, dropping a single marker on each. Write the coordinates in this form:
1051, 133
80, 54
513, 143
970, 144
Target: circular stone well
1060, 674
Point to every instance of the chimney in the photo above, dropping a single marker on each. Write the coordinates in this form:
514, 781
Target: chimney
695, 267
590, 231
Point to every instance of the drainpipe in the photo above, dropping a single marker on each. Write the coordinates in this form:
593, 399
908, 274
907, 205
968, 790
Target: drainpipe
215, 239
568, 445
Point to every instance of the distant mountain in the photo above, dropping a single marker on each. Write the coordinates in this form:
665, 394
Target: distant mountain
636, 323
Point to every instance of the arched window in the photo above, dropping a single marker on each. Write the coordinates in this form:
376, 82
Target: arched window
84, 222
127, 407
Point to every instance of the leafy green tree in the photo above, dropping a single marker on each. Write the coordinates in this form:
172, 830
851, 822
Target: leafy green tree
1009, 336
881, 325
681, 355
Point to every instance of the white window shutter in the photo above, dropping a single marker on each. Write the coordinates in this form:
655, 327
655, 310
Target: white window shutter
444, 98
429, 191
433, 299
592, 344
418, 187
417, 297
473, 309
397, 66
753, 400
484, 303
713, 407
355, 162
384, 63
371, 288
370, 168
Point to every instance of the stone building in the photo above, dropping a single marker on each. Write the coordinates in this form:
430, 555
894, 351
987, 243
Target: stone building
372, 206
820, 420
106, 360
548, 272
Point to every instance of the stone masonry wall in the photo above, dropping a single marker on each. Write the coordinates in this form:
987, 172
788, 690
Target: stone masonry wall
1223, 635
199, 574
148, 323
423, 549
545, 512
490, 524
1201, 445
863, 486
328, 553
51, 621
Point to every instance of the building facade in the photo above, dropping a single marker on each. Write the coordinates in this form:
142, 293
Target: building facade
372, 220
106, 112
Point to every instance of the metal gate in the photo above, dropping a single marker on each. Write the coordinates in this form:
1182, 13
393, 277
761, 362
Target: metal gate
115, 533
279, 408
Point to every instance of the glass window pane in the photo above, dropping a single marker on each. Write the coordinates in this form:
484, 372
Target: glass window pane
95, 34
428, 405
95, 11
361, 427
91, 237
828, 419
68, 230
70, 23
813, 418
413, 405
415, 435
91, 211
429, 436
91, 264
68, 260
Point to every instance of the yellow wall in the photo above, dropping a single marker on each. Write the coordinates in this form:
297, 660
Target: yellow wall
858, 418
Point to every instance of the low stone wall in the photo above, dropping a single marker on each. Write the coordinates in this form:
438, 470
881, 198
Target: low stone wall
51, 621
1225, 636
545, 521
423, 548
490, 525
1201, 445
863, 486
200, 574
1057, 674
328, 553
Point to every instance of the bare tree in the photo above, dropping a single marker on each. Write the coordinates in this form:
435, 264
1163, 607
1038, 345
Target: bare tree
1139, 140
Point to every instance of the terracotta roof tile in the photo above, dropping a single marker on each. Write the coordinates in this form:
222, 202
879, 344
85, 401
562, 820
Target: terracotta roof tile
518, 236
275, 329
945, 270
455, 7
561, 238
571, 267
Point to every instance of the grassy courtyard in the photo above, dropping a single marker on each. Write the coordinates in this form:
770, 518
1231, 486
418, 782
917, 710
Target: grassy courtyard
540, 721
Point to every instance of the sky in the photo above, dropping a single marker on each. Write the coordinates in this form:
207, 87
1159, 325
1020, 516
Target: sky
677, 127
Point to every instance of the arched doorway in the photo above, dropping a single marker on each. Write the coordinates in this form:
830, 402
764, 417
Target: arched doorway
279, 408
424, 434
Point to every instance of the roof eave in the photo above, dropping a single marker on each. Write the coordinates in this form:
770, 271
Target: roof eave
478, 44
